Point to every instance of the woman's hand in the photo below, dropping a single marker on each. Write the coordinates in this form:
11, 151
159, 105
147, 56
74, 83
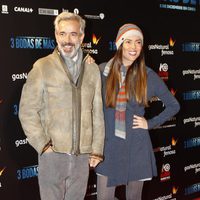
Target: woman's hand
90, 60
139, 122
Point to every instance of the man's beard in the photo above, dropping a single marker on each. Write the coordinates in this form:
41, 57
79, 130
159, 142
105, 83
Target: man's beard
70, 54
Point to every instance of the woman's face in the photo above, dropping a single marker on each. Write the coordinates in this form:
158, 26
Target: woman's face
131, 49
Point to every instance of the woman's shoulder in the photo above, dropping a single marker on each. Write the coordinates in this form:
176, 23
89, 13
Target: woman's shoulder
151, 73
148, 69
105, 67
102, 66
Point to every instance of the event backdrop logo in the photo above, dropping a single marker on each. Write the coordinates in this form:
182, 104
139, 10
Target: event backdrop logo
191, 95
30, 42
21, 142
100, 16
195, 167
168, 124
172, 121
165, 172
192, 142
88, 47
194, 72
192, 189
4, 9
48, 11
112, 46
170, 196
182, 5
167, 150
2, 171
191, 47
27, 172
192, 120
15, 109
23, 9
75, 11
22, 76
95, 40
155, 98
163, 71
166, 49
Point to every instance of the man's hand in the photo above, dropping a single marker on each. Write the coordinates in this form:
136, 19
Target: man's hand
49, 150
93, 162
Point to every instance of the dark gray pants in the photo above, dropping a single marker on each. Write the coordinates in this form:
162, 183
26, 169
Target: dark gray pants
133, 190
62, 176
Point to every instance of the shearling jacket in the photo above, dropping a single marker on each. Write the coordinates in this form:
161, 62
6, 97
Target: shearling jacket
54, 109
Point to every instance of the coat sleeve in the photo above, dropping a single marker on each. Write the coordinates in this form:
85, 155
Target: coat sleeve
98, 118
157, 87
30, 109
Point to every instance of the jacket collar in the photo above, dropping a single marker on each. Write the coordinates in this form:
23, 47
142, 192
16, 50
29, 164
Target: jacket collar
79, 81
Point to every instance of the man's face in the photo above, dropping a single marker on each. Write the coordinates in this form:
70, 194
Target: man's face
68, 38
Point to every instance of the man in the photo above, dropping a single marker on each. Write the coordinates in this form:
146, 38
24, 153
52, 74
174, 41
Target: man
61, 113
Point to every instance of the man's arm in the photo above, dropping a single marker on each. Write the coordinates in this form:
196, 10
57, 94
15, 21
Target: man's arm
30, 110
98, 124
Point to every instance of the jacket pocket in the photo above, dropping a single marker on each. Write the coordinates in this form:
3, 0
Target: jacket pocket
60, 127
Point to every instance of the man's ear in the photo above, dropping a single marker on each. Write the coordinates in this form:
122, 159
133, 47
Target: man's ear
82, 37
55, 34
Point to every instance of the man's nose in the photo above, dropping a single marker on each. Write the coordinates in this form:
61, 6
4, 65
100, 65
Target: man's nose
67, 38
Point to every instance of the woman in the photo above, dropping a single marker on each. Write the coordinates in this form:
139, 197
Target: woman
128, 85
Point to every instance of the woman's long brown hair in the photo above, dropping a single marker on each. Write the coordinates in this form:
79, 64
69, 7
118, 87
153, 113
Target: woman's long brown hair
135, 82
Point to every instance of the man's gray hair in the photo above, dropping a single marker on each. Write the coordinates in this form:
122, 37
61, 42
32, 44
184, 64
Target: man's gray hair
65, 16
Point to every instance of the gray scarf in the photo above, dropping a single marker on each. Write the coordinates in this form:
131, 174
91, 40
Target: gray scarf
74, 66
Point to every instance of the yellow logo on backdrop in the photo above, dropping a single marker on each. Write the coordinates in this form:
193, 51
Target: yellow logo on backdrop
1, 171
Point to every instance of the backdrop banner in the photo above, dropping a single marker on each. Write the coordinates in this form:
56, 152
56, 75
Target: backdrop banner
172, 48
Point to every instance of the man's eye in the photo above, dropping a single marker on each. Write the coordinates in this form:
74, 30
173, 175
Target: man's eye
74, 34
62, 34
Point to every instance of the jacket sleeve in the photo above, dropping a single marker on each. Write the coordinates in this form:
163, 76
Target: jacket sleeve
157, 87
98, 119
30, 108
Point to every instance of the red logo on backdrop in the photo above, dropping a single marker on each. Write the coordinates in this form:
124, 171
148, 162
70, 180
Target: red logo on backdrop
173, 91
163, 71
165, 172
